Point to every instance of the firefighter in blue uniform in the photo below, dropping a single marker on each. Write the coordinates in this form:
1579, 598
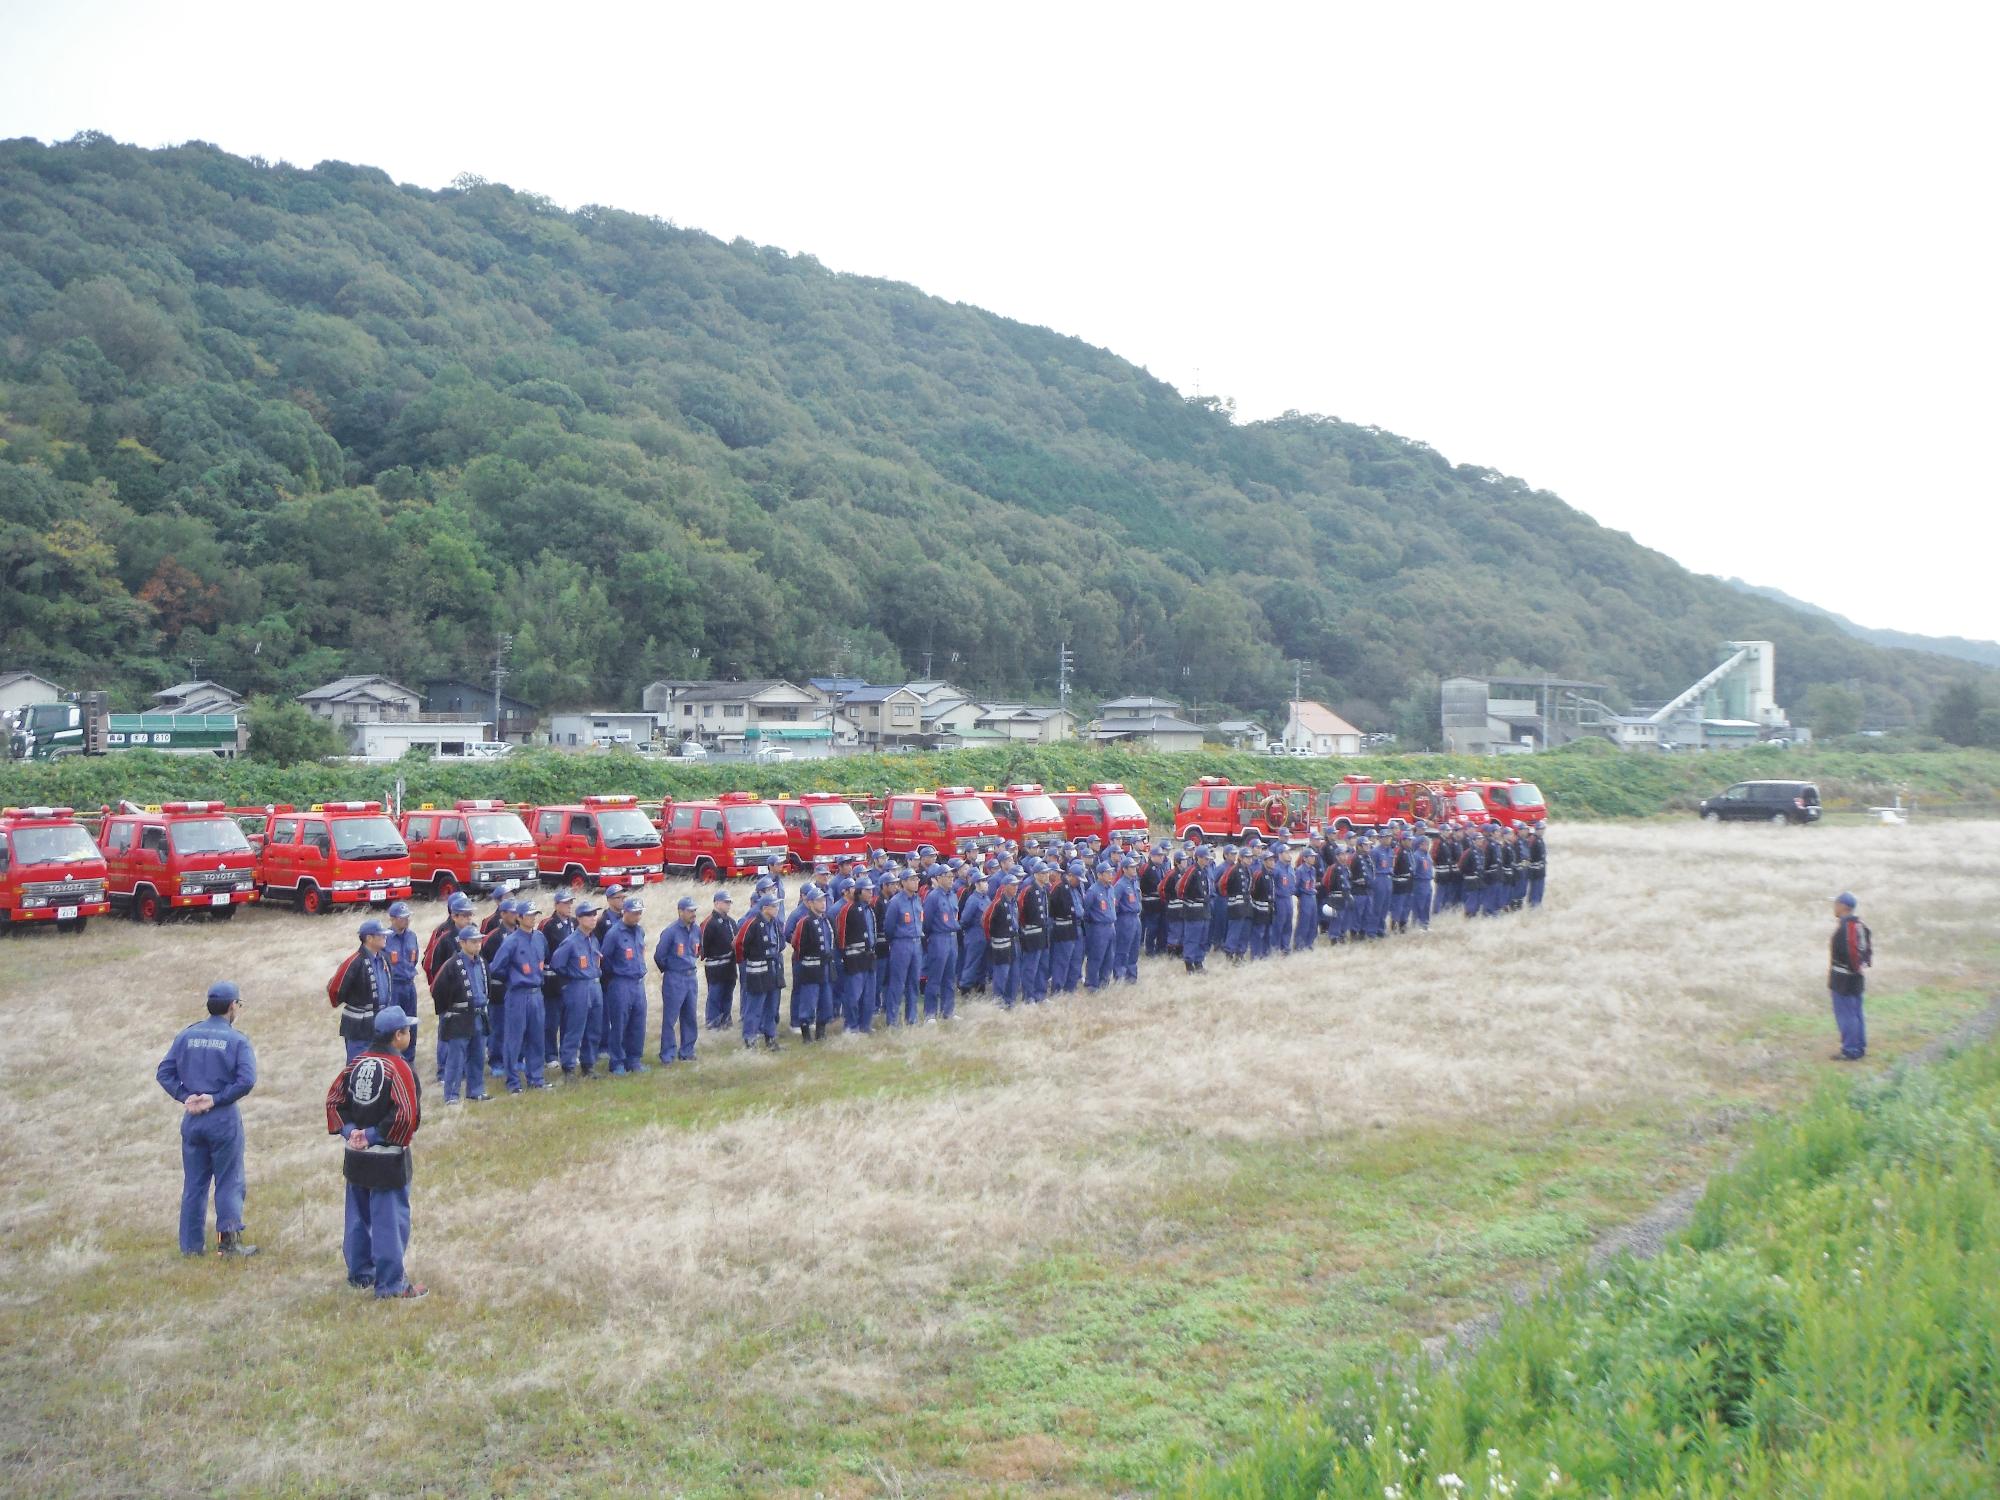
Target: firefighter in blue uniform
1472, 876
578, 964
941, 956
1306, 876
374, 1106
523, 957
1423, 878
458, 995
1402, 881
1381, 886
207, 1071
1000, 922
1538, 863
681, 956
813, 955
364, 988
854, 936
1129, 905
1284, 899
1235, 885
1153, 900
506, 918
1100, 927
555, 932
904, 922
1194, 894
1065, 930
759, 950
402, 956
972, 933
623, 944
718, 961
1032, 965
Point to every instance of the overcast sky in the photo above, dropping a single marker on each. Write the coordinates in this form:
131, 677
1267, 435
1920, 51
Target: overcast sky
1722, 276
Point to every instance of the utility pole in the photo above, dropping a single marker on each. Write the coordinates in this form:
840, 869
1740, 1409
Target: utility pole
1065, 661
1298, 692
504, 645
927, 666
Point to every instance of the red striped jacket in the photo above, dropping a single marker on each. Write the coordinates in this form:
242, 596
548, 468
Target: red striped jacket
394, 1118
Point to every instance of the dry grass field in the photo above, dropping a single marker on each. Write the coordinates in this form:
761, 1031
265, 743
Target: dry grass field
1051, 1250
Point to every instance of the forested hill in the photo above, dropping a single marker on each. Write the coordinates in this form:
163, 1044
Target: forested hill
299, 423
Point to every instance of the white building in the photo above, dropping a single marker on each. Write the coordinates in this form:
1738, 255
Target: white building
1147, 732
20, 688
381, 740
1315, 729
744, 715
603, 728
1244, 734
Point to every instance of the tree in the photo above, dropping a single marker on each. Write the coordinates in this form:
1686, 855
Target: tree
1418, 716
286, 733
1956, 716
1832, 711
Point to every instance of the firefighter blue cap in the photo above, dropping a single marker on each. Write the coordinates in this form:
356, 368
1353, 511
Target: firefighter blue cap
221, 995
810, 892
459, 902
633, 903
564, 895
1004, 879
1130, 863
1845, 898
373, 928
1076, 868
767, 899
468, 934
509, 905
723, 898
390, 1018
525, 907
586, 908
686, 903
399, 908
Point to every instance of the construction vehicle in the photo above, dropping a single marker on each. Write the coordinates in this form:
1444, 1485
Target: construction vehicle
330, 854
51, 870
479, 844
1216, 808
175, 856
607, 840
49, 731
716, 838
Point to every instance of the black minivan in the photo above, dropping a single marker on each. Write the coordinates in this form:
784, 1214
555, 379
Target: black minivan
1765, 802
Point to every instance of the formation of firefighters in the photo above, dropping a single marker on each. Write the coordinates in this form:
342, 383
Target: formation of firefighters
537, 988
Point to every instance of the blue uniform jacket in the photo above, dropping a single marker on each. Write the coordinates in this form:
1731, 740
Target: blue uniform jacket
679, 949
940, 914
403, 957
210, 1057
905, 918
624, 950
1099, 905
524, 959
577, 960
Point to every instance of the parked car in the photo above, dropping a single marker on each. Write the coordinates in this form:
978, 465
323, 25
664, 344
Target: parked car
1765, 802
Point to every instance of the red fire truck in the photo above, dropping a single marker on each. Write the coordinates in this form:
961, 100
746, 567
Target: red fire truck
607, 840
1361, 802
189, 855
1100, 812
332, 854
50, 869
1514, 802
1217, 808
480, 844
952, 820
720, 837
1024, 811
819, 825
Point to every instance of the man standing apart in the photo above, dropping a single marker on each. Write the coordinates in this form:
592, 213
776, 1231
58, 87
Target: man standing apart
374, 1108
1853, 951
206, 1071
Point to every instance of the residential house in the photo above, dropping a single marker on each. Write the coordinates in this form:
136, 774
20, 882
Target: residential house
936, 690
834, 689
198, 697
1152, 731
1116, 708
363, 699
1244, 734
19, 688
889, 718
1318, 730
1028, 722
602, 728
734, 716
468, 701
660, 695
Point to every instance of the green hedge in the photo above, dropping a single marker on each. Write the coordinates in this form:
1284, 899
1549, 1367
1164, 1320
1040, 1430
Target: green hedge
1581, 782
1830, 1326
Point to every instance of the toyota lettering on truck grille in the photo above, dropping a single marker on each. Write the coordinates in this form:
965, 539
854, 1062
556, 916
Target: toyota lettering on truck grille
51, 870
177, 856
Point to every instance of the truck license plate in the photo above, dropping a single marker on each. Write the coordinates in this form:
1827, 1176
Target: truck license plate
65, 913
378, 895
218, 900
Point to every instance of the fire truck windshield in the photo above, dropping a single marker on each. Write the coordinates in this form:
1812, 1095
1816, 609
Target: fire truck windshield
367, 838
967, 811
625, 828
1122, 805
59, 844
755, 818
497, 828
1033, 806
1469, 801
208, 836
835, 820
1527, 794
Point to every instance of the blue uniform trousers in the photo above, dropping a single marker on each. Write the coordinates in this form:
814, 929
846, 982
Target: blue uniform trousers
1475, 901
1378, 907
1260, 938
857, 1011
377, 1234
579, 996
552, 1019
464, 1070
1399, 908
1000, 977
1535, 883
1194, 940
1846, 1015
760, 1014
211, 1152
677, 1019
941, 975
1305, 921
1125, 949
899, 998
496, 1035
1154, 926
1065, 965
1218, 923
625, 1022
721, 996
522, 1049
972, 959
1236, 937
1282, 909
812, 999
1100, 941
1031, 976
1176, 932
1423, 899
